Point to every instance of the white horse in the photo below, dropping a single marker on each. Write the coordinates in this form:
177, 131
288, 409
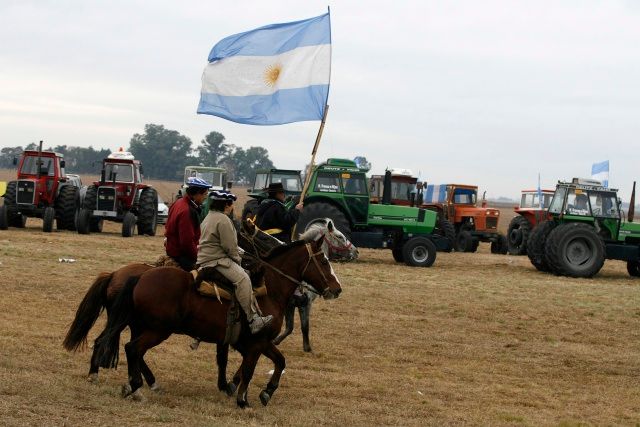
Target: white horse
336, 247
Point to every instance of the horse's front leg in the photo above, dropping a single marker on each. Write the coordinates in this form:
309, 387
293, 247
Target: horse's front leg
279, 363
305, 313
222, 357
289, 312
247, 368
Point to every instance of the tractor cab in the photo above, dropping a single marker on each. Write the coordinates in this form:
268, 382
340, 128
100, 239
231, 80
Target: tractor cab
39, 173
290, 180
217, 177
588, 201
530, 199
404, 188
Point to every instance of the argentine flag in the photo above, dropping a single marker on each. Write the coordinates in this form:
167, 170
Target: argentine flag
271, 75
600, 171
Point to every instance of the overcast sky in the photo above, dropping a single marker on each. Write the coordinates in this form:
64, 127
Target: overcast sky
487, 93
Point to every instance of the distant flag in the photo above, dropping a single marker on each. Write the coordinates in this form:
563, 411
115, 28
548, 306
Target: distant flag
271, 75
600, 171
540, 201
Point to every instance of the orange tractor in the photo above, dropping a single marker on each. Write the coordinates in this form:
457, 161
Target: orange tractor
457, 204
532, 211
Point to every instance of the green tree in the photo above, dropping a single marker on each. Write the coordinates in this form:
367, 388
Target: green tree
163, 152
7, 154
213, 150
247, 161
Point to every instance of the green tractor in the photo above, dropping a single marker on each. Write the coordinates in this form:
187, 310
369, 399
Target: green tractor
339, 190
215, 176
290, 180
586, 227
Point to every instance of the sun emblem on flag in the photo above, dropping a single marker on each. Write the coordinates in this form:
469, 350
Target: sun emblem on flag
271, 74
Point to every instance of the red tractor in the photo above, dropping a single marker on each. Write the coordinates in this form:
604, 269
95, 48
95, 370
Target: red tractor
403, 187
457, 204
530, 212
42, 190
120, 196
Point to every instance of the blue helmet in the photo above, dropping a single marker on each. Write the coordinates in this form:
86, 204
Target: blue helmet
222, 195
197, 183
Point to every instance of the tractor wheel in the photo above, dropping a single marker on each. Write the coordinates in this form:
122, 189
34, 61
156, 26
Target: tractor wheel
633, 267
66, 207
148, 212
446, 229
499, 246
517, 235
323, 210
4, 218
128, 224
250, 208
90, 198
95, 225
14, 219
536, 245
464, 241
419, 252
83, 225
575, 250
397, 254
48, 217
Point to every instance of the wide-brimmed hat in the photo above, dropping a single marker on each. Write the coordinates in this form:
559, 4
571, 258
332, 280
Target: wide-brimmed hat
222, 195
275, 188
194, 182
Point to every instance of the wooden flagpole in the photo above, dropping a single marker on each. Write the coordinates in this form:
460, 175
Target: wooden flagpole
307, 178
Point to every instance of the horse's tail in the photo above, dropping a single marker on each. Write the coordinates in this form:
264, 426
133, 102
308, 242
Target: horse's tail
87, 314
120, 316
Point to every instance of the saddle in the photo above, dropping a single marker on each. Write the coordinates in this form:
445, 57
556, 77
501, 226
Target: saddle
219, 287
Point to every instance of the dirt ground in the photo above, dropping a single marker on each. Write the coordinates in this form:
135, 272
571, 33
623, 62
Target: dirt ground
476, 339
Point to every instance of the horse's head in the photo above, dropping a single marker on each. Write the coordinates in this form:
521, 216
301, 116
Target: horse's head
319, 273
335, 245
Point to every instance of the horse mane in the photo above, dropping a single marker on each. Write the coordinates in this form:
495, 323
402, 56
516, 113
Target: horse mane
279, 250
314, 232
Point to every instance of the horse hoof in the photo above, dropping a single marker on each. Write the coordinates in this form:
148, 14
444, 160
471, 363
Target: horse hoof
93, 378
155, 387
264, 397
307, 349
242, 404
137, 395
231, 389
126, 390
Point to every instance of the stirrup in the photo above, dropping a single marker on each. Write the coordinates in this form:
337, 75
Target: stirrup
259, 322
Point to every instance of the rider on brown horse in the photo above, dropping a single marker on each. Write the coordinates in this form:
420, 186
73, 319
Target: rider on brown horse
219, 249
273, 218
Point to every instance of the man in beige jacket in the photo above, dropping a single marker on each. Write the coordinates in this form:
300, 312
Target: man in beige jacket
219, 248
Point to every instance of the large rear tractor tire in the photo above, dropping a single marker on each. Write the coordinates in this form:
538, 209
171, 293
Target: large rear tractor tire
250, 208
148, 212
446, 229
536, 245
517, 235
66, 207
128, 224
575, 250
4, 218
319, 210
48, 216
419, 252
499, 246
633, 267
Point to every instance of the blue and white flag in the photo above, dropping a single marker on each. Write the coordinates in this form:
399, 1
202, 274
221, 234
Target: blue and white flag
600, 171
271, 75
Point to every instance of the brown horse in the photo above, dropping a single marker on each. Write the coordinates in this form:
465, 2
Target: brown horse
100, 296
153, 316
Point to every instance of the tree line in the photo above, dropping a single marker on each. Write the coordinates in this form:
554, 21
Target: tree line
164, 154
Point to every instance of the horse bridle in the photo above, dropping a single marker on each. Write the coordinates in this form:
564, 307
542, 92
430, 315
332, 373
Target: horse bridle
312, 256
335, 248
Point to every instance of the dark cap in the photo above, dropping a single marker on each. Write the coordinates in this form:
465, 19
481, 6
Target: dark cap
275, 188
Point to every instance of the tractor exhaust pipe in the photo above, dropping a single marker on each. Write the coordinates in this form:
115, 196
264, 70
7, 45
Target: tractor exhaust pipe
39, 160
386, 192
632, 203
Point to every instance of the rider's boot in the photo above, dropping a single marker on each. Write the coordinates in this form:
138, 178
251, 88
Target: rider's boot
244, 295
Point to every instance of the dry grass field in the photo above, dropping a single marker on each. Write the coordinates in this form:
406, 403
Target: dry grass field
477, 339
